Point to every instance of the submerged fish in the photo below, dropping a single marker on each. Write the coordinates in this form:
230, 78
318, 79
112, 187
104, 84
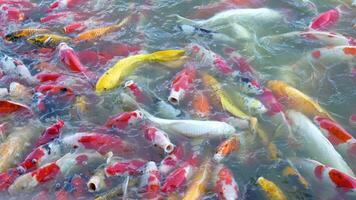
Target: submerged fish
273, 192
47, 40
24, 33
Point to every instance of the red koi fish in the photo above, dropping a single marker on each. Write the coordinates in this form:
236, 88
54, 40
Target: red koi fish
325, 20
65, 4
90, 57
64, 16
74, 27
50, 133
158, 138
61, 94
270, 101
150, 181
102, 143
12, 13
78, 186
171, 160
118, 168
123, 120
181, 83
135, 91
70, 59
46, 77
67, 164
240, 63
225, 185
9, 107
209, 58
180, 176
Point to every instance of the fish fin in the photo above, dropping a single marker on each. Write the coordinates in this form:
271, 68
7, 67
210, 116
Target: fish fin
125, 185
184, 20
253, 124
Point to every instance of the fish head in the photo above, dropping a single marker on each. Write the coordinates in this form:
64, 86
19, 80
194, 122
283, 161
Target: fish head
11, 37
22, 183
39, 40
251, 86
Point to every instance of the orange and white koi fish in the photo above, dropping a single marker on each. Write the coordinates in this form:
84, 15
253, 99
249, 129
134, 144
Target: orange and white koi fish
192, 128
226, 148
342, 140
198, 186
125, 119
225, 184
201, 104
122, 167
327, 177
103, 143
158, 138
171, 160
68, 164
181, 175
181, 83
150, 181
100, 32
273, 192
296, 99
314, 144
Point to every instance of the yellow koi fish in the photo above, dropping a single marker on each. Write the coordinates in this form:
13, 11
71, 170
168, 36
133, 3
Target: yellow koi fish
227, 102
199, 183
47, 40
297, 99
272, 191
24, 33
116, 74
100, 32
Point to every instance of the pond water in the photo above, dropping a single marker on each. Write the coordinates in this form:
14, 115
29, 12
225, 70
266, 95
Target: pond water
230, 99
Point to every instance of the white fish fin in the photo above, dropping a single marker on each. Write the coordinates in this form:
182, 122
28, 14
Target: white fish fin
125, 185
184, 20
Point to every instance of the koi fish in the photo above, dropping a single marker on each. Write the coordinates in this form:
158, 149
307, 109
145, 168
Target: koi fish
45, 77
225, 184
314, 144
181, 83
97, 182
308, 37
46, 94
326, 56
226, 101
15, 146
13, 67
241, 63
327, 177
180, 176
47, 40
158, 138
74, 27
64, 16
9, 107
243, 17
289, 171
100, 32
122, 167
50, 133
18, 91
116, 74
208, 58
150, 181
325, 20
68, 164
198, 186
171, 160
271, 190
201, 104
64, 4
125, 119
136, 91
12, 13
70, 59
24, 33
342, 140
248, 104
103, 143
192, 128
41, 155
226, 148
297, 99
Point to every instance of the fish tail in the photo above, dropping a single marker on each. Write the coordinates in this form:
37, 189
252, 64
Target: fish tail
253, 124
166, 55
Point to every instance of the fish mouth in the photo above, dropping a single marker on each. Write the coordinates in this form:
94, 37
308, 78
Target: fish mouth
169, 148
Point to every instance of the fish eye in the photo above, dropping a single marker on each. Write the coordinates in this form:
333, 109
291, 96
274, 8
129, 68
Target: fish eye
34, 161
